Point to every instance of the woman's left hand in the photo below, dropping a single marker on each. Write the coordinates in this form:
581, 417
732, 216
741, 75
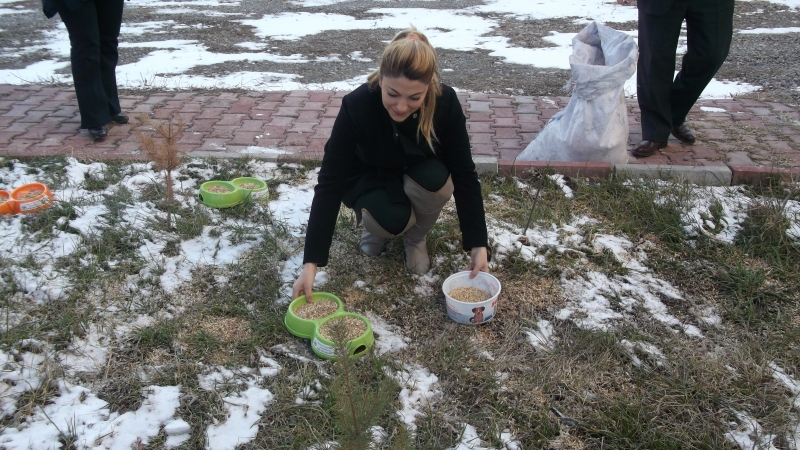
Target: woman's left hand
479, 261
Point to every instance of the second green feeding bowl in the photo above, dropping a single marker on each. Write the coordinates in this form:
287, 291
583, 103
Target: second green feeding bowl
327, 348
311, 328
220, 194
250, 184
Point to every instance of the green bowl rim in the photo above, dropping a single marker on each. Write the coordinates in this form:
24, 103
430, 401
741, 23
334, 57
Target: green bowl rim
337, 316
220, 204
292, 317
233, 181
366, 340
217, 182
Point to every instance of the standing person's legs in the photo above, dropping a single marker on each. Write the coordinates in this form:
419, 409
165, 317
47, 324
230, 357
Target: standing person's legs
658, 41
84, 38
111, 13
93, 31
709, 29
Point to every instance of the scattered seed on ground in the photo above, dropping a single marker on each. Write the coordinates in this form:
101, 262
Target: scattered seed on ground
355, 327
316, 310
218, 189
226, 329
469, 294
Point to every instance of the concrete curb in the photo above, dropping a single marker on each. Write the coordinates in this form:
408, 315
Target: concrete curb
702, 175
230, 155
571, 169
486, 164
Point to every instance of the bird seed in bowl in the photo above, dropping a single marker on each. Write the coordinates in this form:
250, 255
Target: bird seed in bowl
218, 189
250, 186
469, 295
316, 310
355, 327
31, 194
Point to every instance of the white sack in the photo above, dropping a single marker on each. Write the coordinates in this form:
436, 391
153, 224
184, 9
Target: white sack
594, 125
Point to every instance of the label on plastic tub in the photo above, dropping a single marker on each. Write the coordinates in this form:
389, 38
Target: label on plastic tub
323, 348
35, 204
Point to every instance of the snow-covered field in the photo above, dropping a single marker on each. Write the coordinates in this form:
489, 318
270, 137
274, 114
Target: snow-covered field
33, 272
596, 301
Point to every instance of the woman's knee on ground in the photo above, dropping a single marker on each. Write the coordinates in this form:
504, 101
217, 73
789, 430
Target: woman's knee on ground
430, 174
380, 216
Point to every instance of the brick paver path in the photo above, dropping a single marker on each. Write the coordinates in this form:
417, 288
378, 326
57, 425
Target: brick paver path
40, 120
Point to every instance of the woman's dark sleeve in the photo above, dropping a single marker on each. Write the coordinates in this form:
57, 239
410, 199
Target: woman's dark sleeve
457, 156
331, 187
49, 8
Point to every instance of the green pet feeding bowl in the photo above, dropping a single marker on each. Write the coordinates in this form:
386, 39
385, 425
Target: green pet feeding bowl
211, 194
357, 346
311, 328
250, 184
305, 328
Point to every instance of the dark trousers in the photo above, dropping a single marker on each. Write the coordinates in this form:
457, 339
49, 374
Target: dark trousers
93, 31
393, 214
664, 101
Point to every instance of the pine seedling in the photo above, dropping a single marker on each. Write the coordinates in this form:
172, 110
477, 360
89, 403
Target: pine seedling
357, 406
163, 151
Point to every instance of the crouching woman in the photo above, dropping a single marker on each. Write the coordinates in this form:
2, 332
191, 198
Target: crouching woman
398, 151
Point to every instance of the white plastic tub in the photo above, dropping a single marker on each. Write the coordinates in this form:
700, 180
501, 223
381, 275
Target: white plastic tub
472, 313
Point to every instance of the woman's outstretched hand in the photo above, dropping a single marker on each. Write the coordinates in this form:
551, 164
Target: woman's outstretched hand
305, 282
479, 261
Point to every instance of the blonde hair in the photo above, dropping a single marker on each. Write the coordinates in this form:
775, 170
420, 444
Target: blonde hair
410, 55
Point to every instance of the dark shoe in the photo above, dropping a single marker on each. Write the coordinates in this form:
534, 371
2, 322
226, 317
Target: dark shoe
647, 148
684, 133
120, 118
99, 132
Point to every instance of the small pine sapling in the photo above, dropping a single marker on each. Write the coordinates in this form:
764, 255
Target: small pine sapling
358, 407
163, 151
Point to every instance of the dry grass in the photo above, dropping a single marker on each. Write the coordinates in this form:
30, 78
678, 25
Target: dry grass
531, 293
230, 330
587, 389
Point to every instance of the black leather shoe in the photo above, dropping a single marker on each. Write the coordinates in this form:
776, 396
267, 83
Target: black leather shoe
99, 132
684, 133
120, 118
647, 148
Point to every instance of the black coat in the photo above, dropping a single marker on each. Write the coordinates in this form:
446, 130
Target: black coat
49, 8
654, 7
363, 142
